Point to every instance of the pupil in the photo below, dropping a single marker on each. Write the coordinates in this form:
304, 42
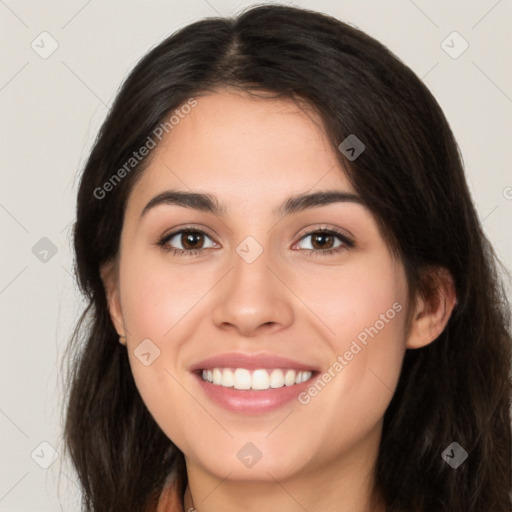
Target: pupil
321, 239
191, 239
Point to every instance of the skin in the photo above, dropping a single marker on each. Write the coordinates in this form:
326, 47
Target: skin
253, 154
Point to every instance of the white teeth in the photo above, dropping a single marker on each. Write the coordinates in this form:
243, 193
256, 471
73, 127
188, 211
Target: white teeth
261, 379
242, 379
228, 378
276, 379
217, 376
289, 378
302, 377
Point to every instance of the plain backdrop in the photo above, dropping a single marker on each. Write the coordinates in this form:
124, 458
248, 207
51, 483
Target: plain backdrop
51, 107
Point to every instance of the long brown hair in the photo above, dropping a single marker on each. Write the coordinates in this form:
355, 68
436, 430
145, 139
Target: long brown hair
457, 389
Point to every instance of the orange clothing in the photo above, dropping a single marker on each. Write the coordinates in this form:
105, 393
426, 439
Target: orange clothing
169, 500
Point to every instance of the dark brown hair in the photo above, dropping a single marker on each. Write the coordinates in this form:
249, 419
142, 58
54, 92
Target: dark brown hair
410, 175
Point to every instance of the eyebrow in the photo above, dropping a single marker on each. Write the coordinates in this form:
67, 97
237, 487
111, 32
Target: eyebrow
209, 203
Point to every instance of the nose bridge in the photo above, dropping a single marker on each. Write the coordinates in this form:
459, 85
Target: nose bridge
251, 263
251, 295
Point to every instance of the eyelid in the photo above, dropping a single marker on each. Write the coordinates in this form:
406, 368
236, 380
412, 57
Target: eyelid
326, 227
347, 241
179, 229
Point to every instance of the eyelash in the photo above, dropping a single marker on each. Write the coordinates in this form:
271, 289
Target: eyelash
347, 242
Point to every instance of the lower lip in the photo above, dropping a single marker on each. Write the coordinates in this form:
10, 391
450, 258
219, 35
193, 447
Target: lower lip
250, 401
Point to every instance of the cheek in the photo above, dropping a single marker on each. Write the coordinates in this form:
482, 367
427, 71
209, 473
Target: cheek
163, 305
155, 309
361, 311
157, 298
363, 299
167, 400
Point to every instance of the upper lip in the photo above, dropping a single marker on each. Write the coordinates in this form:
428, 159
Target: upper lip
251, 362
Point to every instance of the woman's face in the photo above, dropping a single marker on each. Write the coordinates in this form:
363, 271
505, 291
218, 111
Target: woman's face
273, 287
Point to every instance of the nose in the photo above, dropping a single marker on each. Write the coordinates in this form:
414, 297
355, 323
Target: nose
252, 299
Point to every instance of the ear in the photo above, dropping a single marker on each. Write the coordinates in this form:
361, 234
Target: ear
109, 276
433, 308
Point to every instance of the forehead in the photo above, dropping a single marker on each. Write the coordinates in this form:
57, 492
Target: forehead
243, 148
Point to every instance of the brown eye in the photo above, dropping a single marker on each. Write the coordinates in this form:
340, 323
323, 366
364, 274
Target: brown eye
322, 240
191, 239
325, 242
187, 241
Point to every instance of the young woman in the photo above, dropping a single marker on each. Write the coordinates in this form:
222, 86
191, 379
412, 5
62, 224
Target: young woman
292, 304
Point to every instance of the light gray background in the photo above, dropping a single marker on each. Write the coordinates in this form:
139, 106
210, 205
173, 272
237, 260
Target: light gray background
51, 109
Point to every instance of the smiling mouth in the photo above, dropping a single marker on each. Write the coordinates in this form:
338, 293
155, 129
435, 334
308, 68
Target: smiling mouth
262, 379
